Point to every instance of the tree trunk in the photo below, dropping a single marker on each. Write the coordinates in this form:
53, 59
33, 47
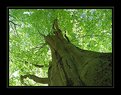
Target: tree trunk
71, 66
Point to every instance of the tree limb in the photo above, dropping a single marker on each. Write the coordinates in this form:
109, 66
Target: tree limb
36, 65
35, 78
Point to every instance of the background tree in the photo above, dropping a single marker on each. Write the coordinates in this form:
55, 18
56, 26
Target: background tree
88, 29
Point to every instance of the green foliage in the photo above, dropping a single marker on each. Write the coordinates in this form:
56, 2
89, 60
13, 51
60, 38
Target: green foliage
89, 29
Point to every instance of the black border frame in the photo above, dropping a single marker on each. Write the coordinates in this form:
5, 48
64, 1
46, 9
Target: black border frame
61, 7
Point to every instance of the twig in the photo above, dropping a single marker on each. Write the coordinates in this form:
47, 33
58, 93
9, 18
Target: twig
39, 46
41, 34
14, 25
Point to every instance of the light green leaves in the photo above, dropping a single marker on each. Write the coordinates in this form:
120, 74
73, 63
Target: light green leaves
89, 29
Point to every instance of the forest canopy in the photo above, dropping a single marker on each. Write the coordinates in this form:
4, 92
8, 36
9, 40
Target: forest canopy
89, 29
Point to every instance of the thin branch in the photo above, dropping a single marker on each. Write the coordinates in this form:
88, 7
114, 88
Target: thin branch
91, 35
13, 22
41, 34
14, 25
36, 65
12, 28
88, 35
14, 17
39, 46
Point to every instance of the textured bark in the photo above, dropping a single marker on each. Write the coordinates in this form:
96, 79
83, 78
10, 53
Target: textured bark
71, 66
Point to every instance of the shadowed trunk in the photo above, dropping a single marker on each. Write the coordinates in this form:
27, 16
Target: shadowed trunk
71, 66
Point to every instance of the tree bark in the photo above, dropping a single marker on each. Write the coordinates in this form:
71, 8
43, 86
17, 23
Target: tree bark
71, 66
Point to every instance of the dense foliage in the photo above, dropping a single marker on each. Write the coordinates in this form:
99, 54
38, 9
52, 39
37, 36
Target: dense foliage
89, 29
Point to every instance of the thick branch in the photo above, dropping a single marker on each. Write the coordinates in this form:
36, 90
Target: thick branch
35, 78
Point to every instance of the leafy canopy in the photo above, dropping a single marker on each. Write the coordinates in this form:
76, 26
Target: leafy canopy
89, 29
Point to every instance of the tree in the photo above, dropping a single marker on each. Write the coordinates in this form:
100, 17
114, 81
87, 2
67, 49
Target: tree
70, 65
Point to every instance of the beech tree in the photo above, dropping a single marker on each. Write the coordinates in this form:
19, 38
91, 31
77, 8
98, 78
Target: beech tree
60, 47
